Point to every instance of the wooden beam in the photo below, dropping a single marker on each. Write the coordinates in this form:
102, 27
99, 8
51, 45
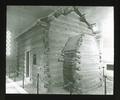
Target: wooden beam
38, 22
68, 10
46, 20
58, 12
82, 17
27, 29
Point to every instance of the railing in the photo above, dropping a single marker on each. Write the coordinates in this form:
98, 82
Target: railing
23, 77
105, 78
15, 74
70, 86
38, 83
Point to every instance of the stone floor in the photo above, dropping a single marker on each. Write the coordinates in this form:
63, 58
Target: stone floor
16, 87
55, 90
13, 88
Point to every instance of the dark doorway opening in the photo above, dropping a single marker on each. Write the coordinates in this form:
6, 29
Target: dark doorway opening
27, 63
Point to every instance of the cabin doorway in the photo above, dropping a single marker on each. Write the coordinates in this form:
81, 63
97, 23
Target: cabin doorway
27, 65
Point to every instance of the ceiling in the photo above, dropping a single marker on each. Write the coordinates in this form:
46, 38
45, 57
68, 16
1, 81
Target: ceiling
21, 17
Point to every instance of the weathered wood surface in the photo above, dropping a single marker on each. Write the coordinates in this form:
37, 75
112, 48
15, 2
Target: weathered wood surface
89, 63
86, 73
69, 24
61, 28
49, 50
34, 41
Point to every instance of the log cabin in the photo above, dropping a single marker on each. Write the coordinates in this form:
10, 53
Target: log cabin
63, 49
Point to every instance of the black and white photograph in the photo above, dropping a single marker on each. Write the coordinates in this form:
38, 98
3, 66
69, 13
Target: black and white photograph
60, 50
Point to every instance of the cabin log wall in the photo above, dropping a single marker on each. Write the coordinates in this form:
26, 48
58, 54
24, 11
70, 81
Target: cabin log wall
34, 41
61, 29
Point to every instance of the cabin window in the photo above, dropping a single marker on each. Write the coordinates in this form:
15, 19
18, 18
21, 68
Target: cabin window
27, 63
34, 59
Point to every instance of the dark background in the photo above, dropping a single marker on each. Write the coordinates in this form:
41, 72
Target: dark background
115, 3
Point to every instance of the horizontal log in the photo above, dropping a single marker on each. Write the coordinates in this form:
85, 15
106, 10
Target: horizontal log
69, 22
59, 32
88, 45
89, 58
88, 80
89, 37
55, 69
54, 57
59, 35
87, 65
89, 83
89, 61
56, 49
34, 40
33, 27
27, 36
86, 41
34, 45
65, 11
87, 72
72, 17
91, 44
68, 33
31, 42
55, 41
86, 90
88, 68
89, 77
85, 75
87, 54
66, 25
71, 27
58, 13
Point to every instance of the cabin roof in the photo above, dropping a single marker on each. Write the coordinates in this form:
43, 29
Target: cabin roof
61, 11
65, 11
